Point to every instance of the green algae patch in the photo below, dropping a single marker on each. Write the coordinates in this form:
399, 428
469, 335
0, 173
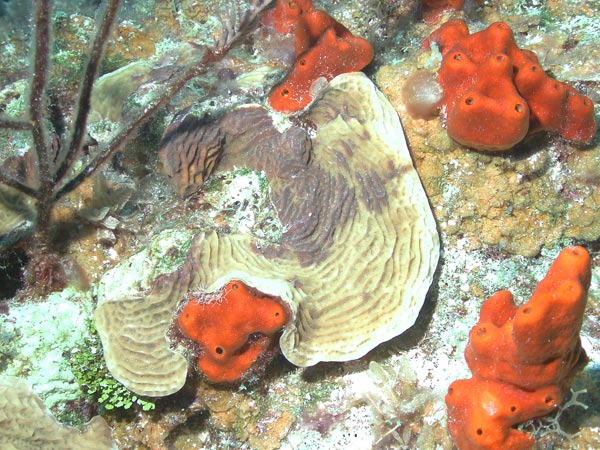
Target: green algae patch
88, 366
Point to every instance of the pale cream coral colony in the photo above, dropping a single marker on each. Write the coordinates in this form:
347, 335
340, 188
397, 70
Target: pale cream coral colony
27, 424
356, 259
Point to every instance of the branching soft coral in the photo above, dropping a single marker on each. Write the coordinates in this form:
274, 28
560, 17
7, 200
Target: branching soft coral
57, 163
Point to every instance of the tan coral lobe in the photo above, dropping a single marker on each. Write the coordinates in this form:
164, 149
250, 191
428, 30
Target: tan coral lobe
28, 425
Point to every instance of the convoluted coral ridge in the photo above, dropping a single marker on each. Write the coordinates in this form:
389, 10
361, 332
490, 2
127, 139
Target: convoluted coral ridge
360, 246
134, 342
189, 166
25, 423
360, 243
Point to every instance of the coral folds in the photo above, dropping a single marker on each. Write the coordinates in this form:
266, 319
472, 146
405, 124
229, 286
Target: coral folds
232, 330
522, 358
357, 254
323, 48
495, 93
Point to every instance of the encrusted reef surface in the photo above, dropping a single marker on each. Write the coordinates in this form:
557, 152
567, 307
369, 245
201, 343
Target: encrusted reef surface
383, 237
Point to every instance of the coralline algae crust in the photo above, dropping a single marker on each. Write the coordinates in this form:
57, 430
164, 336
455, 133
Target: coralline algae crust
41, 333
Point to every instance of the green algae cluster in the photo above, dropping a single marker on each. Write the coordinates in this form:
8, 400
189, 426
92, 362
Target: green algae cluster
88, 367
8, 347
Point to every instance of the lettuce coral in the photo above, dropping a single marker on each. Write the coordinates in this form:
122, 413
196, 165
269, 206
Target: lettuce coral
354, 263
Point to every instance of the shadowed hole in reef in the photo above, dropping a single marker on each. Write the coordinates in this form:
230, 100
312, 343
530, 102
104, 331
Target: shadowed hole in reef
189, 429
12, 263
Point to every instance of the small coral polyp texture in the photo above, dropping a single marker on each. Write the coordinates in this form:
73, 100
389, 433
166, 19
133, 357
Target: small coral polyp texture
324, 48
232, 329
523, 359
495, 93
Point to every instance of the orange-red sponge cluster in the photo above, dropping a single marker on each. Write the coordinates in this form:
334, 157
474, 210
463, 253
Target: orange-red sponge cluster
495, 93
522, 358
323, 48
233, 330
432, 10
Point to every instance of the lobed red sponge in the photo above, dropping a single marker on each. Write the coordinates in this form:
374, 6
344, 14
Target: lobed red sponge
432, 10
232, 330
522, 358
495, 93
284, 16
323, 48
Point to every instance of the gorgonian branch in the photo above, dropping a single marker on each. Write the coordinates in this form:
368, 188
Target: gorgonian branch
236, 26
37, 96
16, 184
14, 124
85, 94
130, 129
237, 23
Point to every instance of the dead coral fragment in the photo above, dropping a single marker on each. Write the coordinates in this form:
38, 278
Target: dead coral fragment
233, 329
